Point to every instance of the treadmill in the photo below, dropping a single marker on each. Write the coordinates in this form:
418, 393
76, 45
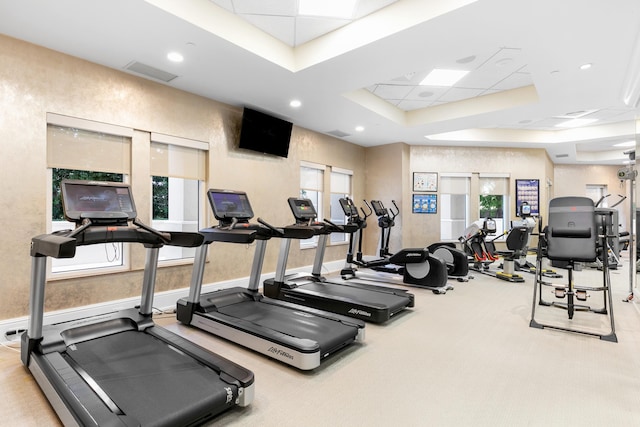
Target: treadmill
120, 369
371, 303
296, 335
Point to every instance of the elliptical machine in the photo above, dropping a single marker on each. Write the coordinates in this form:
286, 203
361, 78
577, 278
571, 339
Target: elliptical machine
416, 265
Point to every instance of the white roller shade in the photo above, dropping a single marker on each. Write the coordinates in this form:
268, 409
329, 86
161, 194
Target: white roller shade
493, 185
73, 148
454, 184
178, 161
311, 179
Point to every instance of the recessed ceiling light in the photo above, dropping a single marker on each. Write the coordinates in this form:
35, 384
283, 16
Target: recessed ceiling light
295, 103
327, 8
625, 144
586, 66
359, 128
574, 123
175, 57
441, 77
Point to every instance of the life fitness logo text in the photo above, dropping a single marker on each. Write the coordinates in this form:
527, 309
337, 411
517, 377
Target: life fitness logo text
276, 350
359, 312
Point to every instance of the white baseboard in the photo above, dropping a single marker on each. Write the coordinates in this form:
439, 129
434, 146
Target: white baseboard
10, 329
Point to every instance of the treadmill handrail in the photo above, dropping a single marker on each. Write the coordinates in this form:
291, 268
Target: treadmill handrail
62, 244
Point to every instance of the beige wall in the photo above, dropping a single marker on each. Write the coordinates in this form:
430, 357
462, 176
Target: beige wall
385, 166
518, 163
35, 81
571, 180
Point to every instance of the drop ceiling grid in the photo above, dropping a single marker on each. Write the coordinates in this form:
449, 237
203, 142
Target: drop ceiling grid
498, 70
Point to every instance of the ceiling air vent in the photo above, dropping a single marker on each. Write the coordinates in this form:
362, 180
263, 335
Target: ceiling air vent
338, 133
560, 156
149, 71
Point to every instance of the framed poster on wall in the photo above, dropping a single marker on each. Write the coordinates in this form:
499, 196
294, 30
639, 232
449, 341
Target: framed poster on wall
528, 190
425, 181
425, 203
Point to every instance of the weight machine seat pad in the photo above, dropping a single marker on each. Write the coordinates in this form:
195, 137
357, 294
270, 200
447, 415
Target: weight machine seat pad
150, 381
570, 235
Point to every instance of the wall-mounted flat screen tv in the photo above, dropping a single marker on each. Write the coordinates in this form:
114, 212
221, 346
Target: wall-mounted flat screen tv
264, 133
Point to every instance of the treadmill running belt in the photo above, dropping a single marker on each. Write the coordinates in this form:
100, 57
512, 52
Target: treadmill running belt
329, 334
378, 300
150, 381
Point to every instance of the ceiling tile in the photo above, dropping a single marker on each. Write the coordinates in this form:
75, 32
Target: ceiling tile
280, 27
309, 28
392, 91
365, 7
513, 81
426, 93
266, 7
457, 94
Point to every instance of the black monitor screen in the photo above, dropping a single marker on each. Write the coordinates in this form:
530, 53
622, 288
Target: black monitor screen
302, 208
378, 208
227, 204
264, 133
81, 198
348, 207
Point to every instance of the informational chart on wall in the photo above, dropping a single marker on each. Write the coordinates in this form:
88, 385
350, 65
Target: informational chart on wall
425, 203
528, 190
425, 181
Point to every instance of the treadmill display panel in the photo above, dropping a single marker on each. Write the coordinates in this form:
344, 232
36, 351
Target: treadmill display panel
302, 208
348, 207
96, 199
228, 204
378, 208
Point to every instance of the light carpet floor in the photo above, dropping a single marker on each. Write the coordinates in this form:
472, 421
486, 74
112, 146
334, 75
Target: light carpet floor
467, 358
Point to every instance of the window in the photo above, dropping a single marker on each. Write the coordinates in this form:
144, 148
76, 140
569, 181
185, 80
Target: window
494, 201
312, 187
178, 168
340, 187
454, 205
597, 193
81, 149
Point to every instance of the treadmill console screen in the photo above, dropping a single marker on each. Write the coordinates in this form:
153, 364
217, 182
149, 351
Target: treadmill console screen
227, 204
378, 208
97, 200
302, 208
348, 207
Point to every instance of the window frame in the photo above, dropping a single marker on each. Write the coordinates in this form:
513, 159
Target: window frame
200, 176
349, 174
312, 242
53, 119
443, 197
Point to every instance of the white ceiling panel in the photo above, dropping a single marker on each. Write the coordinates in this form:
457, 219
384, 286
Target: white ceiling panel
365, 7
410, 105
513, 81
309, 28
280, 27
392, 91
546, 40
426, 93
266, 7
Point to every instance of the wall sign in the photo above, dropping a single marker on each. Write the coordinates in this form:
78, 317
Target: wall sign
425, 203
425, 181
528, 190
